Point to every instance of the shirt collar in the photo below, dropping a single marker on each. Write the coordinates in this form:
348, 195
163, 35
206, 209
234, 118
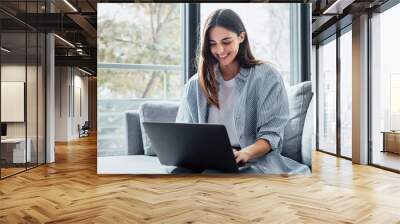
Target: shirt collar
243, 74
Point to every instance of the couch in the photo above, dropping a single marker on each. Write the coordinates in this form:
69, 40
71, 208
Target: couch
141, 159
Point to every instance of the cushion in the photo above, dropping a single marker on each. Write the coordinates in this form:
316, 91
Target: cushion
155, 112
299, 98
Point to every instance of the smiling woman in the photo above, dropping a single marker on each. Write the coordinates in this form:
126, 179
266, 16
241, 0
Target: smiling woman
143, 56
245, 95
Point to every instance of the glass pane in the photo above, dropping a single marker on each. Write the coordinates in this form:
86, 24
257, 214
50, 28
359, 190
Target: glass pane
152, 30
268, 28
31, 98
13, 85
116, 95
149, 51
327, 97
346, 94
139, 84
386, 89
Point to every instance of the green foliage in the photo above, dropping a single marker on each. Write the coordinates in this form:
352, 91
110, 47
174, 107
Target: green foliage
137, 34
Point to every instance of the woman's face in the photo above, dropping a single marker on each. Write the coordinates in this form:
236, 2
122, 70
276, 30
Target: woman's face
224, 44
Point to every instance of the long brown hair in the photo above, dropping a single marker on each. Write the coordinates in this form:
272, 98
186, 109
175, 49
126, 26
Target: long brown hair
229, 20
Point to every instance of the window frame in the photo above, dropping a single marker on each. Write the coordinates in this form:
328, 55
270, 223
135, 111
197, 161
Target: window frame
179, 68
334, 37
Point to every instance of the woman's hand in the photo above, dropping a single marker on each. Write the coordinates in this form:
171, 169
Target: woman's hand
259, 148
241, 157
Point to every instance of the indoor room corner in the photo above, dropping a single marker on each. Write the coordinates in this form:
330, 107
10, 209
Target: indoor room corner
73, 91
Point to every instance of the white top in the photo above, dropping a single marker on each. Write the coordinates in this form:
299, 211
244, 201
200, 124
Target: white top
228, 96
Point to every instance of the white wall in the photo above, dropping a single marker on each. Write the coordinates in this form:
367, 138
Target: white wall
61, 103
14, 73
70, 83
82, 83
17, 73
12, 101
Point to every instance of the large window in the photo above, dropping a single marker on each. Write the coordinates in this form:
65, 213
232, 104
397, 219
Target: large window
327, 97
335, 74
346, 94
385, 88
139, 59
272, 33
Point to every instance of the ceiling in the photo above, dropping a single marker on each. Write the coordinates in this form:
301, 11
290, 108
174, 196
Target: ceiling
74, 22
328, 16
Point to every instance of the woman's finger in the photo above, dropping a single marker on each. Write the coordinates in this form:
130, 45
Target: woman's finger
235, 153
239, 159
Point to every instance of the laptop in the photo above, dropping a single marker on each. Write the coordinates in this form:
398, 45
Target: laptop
194, 146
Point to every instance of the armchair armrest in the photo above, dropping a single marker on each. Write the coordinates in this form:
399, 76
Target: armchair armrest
307, 137
133, 132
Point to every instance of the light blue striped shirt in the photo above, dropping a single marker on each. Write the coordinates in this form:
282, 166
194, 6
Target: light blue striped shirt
261, 113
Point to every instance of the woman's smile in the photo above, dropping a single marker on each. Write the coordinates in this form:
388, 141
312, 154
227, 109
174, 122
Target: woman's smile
223, 56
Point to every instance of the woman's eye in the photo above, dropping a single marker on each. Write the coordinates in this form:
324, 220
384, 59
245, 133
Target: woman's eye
226, 43
211, 44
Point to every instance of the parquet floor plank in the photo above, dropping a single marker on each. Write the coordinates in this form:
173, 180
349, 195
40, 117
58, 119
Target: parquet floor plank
70, 191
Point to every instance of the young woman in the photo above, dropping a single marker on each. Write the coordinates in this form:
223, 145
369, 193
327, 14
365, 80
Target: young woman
246, 95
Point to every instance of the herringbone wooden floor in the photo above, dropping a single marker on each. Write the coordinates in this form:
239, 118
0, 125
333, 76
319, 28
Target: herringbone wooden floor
70, 191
